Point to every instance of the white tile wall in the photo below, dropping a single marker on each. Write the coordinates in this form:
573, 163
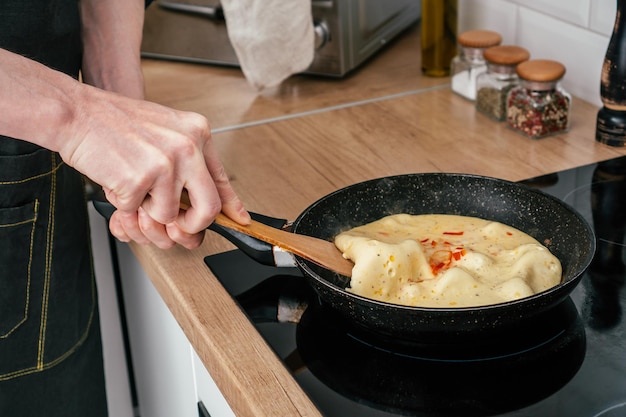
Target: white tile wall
497, 15
573, 11
574, 32
602, 16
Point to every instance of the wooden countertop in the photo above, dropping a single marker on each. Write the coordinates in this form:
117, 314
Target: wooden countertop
224, 96
287, 147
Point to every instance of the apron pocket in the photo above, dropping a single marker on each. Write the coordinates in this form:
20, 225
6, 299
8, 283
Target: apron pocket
17, 232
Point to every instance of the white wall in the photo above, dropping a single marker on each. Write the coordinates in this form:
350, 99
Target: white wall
574, 32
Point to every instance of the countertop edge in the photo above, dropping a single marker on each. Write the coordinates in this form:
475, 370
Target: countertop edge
251, 377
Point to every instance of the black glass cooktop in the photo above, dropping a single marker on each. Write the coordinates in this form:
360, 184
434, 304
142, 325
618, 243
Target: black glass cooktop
570, 361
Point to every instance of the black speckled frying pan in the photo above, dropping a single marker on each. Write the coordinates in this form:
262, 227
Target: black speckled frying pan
547, 219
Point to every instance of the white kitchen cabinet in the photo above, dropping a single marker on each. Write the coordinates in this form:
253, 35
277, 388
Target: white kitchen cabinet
169, 376
208, 392
117, 385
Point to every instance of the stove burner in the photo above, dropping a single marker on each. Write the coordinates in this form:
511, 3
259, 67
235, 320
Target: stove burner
618, 410
603, 203
453, 380
609, 226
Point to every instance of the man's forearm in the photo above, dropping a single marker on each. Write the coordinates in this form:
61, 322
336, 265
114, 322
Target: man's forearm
37, 103
111, 35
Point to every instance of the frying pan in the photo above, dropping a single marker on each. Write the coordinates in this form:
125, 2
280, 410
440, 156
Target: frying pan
549, 220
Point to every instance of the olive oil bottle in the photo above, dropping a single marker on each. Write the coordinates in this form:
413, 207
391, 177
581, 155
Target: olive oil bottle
439, 30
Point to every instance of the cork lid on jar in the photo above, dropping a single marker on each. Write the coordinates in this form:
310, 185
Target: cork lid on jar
506, 54
479, 38
541, 70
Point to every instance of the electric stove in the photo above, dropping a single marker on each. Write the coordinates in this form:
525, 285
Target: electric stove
570, 361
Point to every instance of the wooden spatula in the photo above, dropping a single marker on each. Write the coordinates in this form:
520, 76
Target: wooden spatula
321, 252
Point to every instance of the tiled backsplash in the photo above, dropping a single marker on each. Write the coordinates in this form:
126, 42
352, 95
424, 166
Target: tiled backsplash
574, 32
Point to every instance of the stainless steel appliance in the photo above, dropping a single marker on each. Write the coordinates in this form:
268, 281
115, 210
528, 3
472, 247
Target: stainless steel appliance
347, 32
568, 362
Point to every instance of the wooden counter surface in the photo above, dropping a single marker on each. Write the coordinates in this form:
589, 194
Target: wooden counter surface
286, 148
223, 95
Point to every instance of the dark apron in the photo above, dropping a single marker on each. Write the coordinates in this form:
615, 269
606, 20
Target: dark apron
50, 348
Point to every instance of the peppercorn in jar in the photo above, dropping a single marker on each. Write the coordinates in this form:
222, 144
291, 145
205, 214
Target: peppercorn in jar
470, 62
539, 106
493, 86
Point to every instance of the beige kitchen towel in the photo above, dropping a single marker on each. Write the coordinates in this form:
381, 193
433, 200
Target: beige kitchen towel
273, 39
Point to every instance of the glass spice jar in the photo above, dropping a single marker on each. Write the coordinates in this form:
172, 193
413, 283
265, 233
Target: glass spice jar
470, 61
539, 106
493, 85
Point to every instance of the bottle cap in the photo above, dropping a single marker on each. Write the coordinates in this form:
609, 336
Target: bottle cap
541, 70
506, 54
479, 38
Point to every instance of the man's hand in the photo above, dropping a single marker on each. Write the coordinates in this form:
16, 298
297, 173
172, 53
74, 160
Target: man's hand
144, 155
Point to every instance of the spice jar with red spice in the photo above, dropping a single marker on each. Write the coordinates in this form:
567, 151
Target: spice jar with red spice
539, 106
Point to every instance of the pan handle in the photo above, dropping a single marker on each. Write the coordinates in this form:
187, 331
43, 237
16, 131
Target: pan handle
262, 252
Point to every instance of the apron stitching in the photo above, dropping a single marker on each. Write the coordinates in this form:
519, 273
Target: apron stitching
30, 263
41, 365
18, 223
23, 180
31, 220
48, 272
48, 365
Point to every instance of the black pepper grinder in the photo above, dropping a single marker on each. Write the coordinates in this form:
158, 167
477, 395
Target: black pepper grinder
611, 121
